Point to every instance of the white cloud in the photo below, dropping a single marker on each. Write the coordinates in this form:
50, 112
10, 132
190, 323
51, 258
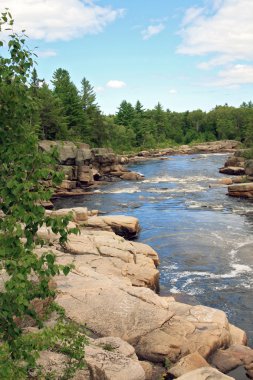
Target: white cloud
216, 61
53, 20
191, 14
152, 30
235, 76
115, 84
226, 31
46, 53
99, 89
173, 91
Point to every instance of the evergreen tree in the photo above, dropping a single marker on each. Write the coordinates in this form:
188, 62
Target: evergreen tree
88, 95
53, 123
68, 94
139, 109
125, 114
35, 82
95, 128
159, 119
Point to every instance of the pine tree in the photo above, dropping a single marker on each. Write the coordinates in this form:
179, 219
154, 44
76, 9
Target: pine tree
88, 95
125, 114
53, 123
94, 122
68, 94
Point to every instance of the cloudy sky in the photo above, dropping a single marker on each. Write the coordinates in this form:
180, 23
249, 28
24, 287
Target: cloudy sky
187, 54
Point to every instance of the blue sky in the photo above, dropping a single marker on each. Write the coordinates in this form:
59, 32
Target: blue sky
186, 54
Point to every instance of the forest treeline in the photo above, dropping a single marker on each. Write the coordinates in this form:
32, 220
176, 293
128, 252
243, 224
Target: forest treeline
64, 112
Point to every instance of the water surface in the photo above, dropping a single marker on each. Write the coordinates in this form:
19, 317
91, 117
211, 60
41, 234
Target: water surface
203, 237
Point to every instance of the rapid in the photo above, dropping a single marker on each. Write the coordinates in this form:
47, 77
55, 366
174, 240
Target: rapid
203, 237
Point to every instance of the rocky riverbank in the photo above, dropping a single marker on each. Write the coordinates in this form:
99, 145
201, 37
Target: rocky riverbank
85, 168
226, 146
242, 185
112, 291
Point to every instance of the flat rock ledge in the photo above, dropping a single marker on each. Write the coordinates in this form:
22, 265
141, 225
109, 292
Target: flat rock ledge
205, 374
232, 170
112, 291
106, 358
126, 226
243, 190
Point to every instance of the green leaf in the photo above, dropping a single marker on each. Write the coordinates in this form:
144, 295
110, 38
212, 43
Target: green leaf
66, 270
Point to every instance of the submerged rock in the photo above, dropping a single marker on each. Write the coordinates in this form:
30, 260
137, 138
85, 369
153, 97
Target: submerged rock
132, 176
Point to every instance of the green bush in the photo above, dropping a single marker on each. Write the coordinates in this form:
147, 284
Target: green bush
24, 176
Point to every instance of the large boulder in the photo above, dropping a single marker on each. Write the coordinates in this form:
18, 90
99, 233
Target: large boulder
191, 329
235, 161
132, 176
113, 359
244, 190
83, 155
238, 336
66, 150
104, 156
85, 174
70, 172
206, 373
47, 145
67, 185
122, 225
106, 359
187, 364
78, 214
111, 255
108, 306
236, 355
97, 294
232, 170
110, 292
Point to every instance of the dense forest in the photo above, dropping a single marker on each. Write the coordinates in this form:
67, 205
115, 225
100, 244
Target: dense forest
64, 112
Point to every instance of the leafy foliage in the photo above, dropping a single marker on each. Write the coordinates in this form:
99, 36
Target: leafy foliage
25, 173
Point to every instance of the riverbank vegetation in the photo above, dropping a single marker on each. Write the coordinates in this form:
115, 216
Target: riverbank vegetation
64, 112
26, 175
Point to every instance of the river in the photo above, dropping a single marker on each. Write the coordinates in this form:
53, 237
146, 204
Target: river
203, 237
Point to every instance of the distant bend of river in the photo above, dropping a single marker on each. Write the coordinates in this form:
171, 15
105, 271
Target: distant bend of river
203, 237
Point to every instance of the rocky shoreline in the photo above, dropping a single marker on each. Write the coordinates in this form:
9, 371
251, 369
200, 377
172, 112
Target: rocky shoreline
241, 182
225, 146
85, 168
112, 290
